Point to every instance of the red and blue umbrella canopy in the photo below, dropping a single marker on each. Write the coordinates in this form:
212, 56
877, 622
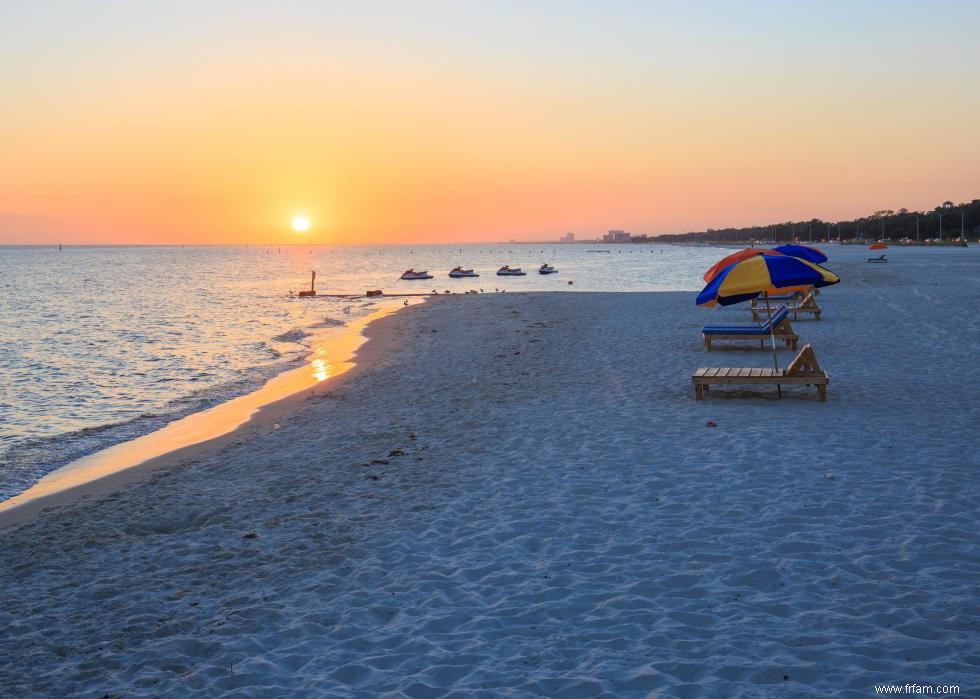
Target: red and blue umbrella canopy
736, 257
804, 252
763, 274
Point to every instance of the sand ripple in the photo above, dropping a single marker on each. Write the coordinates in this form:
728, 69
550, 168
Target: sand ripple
525, 500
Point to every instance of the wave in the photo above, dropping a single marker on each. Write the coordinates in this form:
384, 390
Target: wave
26, 461
329, 322
294, 335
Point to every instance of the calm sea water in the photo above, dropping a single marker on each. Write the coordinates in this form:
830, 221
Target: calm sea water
103, 344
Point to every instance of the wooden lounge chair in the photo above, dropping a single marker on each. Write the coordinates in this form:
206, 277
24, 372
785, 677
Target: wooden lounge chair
778, 298
802, 370
791, 298
781, 328
807, 305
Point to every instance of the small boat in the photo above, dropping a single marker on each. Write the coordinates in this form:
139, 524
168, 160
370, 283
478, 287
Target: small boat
508, 271
457, 272
412, 274
546, 269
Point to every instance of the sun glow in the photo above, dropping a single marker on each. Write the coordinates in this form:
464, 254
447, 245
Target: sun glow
410, 129
301, 224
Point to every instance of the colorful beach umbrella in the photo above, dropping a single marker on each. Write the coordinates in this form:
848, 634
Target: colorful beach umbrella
804, 252
763, 275
736, 257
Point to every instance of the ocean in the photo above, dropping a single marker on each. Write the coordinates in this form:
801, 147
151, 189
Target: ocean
101, 345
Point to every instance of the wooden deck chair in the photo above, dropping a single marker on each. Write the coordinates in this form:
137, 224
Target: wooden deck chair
803, 370
793, 297
808, 304
783, 331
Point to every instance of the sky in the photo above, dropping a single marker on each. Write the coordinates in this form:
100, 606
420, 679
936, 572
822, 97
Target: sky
391, 122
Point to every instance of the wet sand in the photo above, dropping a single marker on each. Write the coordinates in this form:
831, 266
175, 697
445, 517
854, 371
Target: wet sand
360, 344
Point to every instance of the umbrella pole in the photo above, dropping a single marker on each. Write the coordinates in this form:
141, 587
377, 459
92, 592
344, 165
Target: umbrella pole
772, 336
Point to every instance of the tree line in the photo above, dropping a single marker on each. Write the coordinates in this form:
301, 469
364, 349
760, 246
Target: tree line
915, 226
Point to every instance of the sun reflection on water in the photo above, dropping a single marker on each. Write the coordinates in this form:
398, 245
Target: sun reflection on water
321, 370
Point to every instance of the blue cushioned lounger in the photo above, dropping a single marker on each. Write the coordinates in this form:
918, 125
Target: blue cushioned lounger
779, 321
763, 329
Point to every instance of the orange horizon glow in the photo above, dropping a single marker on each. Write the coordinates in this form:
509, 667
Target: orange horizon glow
381, 130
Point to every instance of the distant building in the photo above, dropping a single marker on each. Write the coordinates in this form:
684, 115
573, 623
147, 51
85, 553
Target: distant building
567, 238
947, 205
616, 237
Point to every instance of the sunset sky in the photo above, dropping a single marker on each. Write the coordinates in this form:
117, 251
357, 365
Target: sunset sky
219, 122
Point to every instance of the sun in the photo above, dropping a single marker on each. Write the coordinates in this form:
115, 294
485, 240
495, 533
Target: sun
301, 224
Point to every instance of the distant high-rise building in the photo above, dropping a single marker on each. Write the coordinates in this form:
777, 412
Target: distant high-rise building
568, 238
616, 237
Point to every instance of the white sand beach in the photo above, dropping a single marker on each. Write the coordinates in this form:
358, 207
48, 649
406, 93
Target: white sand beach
521, 497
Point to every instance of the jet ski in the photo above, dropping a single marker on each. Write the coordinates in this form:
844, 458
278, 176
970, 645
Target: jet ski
412, 274
508, 271
546, 269
457, 272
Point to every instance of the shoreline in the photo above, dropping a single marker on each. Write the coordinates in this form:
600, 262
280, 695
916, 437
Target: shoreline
100, 474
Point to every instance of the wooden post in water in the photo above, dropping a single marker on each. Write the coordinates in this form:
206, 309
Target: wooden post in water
312, 291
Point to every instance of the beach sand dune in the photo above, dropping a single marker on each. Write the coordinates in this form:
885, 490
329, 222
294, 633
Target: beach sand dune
523, 497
